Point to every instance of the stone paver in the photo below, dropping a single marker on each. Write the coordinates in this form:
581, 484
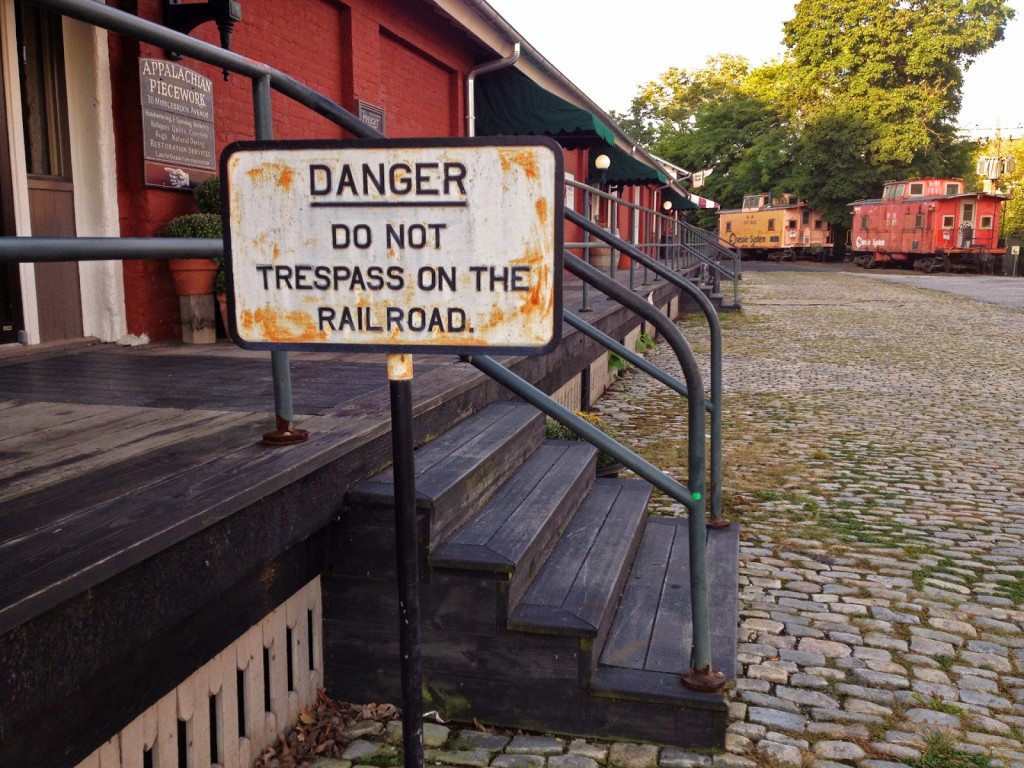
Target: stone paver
873, 458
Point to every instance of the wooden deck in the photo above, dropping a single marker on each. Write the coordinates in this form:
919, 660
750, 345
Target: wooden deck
143, 525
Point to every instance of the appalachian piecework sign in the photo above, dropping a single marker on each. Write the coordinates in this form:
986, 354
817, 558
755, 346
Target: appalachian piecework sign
451, 245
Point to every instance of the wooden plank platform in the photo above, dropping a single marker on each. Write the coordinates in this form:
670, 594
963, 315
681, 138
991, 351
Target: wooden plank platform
142, 522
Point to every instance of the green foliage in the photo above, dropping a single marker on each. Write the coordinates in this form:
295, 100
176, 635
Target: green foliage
205, 225
940, 752
207, 195
898, 64
644, 343
868, 91
193, 225
617, 363
555, 430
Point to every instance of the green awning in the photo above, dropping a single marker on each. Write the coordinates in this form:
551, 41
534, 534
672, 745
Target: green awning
508, 103
625, 169
679, 203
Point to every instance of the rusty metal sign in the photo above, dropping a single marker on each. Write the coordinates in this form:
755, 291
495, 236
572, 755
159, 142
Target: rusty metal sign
398, 245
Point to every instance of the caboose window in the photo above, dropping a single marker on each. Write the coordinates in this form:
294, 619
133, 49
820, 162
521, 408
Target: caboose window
817, 223
919, 221
947, 222
917, 188
806, 218
728, 226
986, 222
771, 224
864, 221
791, 224
953, 188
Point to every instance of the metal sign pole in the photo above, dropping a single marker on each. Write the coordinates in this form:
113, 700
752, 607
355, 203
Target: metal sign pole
406, 557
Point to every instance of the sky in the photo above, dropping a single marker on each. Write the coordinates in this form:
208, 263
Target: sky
609, 55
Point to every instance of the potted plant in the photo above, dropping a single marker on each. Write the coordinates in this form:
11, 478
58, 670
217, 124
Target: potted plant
193, 276
197, 279
607, 466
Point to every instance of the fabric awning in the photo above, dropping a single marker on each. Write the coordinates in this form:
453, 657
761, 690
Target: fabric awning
679, 202
625, 169
508, 103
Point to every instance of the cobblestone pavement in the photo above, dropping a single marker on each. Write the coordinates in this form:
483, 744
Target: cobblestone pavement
873, 455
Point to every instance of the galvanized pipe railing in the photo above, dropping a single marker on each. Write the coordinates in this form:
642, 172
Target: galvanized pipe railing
701, 675
715, 331
672, 224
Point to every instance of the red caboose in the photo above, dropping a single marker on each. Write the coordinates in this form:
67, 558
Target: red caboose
927, 224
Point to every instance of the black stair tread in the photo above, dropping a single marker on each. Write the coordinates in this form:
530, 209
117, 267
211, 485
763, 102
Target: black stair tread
528, 511
650, 640
444, 463
575, 591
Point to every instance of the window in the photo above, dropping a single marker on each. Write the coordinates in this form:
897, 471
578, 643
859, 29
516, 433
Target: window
771, 224
728, 226
917, 189
968, 213
805, 219
986, 222
42, 89
947, 222
791, 224
919, 221
953, 188
864, 221
817, 223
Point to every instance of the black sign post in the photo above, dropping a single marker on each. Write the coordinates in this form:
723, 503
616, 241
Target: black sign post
448, 246
406, 556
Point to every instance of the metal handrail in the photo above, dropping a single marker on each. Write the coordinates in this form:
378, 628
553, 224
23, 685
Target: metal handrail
701, 675
677, 224
715, 331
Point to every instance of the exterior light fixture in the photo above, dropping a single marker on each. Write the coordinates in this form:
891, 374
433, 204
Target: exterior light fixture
184, 17
667, 205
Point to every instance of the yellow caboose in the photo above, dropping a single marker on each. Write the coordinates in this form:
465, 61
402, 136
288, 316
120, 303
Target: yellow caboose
776, 227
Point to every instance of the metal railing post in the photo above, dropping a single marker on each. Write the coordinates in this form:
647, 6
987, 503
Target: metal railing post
715, 332
284, 433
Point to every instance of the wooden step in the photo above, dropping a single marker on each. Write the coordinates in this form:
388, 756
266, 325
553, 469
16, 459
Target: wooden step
576, 591
459, 471
517, 528
651, 636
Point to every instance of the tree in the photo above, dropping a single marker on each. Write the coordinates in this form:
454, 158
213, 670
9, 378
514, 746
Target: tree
900, 63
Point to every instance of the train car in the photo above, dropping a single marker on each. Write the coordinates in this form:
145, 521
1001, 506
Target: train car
775, 227
927, 224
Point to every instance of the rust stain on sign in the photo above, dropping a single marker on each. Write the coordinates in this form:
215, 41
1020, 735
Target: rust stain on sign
541, 206
294, 326
524, 159
278, 174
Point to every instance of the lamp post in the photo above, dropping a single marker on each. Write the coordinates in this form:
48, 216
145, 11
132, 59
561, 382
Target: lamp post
669, 233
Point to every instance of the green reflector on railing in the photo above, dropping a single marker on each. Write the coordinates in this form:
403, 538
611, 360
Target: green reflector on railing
696, 496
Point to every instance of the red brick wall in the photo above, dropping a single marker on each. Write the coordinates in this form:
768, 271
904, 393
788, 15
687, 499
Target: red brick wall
397, 55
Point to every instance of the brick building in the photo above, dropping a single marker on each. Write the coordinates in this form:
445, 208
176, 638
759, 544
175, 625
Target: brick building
75, 156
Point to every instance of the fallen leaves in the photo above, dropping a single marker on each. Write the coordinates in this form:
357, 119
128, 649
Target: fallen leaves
320, 732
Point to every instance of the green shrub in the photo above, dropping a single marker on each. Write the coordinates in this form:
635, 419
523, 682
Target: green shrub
207, 195
193, 225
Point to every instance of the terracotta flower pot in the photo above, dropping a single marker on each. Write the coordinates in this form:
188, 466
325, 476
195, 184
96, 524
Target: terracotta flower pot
193, 277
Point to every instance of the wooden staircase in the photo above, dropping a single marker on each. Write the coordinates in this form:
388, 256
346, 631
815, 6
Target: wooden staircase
550, 600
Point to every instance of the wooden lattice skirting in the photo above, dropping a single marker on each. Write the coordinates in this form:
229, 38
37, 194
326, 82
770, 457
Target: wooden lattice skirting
242, 700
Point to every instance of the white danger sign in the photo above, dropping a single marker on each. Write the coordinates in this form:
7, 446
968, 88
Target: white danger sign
395, 245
